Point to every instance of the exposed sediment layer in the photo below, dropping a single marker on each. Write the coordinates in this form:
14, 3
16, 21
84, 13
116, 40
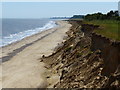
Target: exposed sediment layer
85, 60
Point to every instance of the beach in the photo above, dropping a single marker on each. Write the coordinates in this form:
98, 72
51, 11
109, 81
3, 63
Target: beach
21, 67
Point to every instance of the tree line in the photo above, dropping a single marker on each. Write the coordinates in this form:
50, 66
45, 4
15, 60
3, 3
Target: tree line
112, 15
77, 17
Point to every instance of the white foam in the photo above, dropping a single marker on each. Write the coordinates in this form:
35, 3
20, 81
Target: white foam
18, 36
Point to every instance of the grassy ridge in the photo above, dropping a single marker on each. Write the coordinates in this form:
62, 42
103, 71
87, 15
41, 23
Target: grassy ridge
108, 28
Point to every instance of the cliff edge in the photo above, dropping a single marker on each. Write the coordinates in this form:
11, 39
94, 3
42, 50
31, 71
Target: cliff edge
85, 59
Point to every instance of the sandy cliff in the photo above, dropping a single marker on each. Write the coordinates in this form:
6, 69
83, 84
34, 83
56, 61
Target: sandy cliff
85, 60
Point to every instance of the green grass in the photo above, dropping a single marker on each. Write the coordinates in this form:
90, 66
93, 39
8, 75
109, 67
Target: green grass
108, 28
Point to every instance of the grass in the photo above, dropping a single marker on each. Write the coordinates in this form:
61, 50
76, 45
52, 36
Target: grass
108, 28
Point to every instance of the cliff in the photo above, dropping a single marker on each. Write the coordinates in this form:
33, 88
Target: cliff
110, 52
85, 59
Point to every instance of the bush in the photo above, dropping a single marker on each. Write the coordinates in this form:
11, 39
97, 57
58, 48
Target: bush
112, 15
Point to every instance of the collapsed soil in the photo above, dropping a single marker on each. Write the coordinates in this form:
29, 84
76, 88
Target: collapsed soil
77, 63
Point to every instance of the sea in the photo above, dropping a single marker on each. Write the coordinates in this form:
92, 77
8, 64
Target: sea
16, 29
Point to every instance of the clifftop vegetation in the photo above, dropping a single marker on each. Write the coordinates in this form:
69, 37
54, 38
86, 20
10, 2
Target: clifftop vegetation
87, 58
108, 23
112, 15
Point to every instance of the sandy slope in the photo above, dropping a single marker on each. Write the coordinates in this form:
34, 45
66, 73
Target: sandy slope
24, 69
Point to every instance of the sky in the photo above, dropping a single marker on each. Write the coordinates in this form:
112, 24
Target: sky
59, 0
50, 9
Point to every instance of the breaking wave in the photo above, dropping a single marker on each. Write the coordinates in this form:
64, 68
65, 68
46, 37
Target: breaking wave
18, 36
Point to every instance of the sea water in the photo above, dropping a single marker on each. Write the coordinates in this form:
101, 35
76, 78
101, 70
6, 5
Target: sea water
16, 29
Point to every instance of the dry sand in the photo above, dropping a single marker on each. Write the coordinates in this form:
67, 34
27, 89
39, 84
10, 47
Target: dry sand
22, 67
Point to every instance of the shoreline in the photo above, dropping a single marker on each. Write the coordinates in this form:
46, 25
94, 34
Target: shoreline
15, 51
25, 60
37, 30
24, 38
17, 44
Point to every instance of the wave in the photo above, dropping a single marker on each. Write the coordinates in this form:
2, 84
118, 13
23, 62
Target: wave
19, 36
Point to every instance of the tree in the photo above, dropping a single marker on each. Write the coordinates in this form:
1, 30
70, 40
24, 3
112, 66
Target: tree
112, 15
116, 13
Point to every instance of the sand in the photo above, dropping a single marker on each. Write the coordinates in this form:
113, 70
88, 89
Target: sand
22, 67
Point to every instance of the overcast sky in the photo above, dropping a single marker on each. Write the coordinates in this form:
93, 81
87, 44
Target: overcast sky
50, 9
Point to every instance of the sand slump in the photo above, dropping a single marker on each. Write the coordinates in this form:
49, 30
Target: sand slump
85, 60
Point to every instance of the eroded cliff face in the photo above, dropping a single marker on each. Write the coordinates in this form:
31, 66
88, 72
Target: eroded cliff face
110, 52
85, 60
